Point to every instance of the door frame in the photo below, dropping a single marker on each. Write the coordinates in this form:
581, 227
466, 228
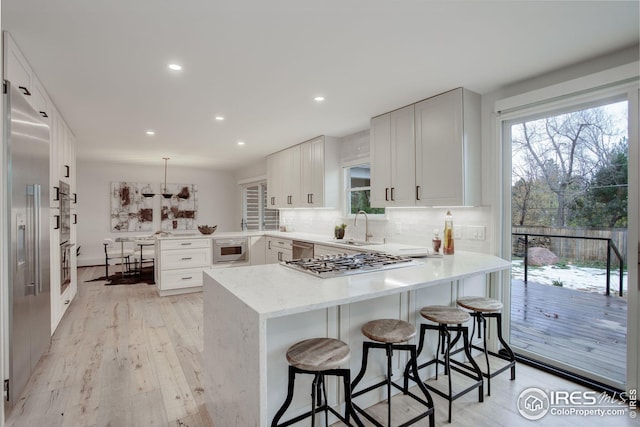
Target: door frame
621, 80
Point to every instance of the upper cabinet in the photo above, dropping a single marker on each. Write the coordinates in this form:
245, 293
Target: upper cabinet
392, 140
428, 153
320, 173
305, 175
448, 154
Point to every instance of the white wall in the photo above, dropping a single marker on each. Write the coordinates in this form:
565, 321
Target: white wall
215, 194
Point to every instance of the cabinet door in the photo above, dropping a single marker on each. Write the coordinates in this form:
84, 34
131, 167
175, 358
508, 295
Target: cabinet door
380, 150
403, 178
312, 173
273, 180
290, 166
439, 150
16, 68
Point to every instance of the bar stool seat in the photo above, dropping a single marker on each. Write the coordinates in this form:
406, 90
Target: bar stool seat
318, 354
318, 357
389, 330
482, 308
448, 319
389, 334
482, 304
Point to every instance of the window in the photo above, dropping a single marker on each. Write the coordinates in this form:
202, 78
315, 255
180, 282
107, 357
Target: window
255, 215
358, 190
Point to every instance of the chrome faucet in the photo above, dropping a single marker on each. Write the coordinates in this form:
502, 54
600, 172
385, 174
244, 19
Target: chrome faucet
367, 235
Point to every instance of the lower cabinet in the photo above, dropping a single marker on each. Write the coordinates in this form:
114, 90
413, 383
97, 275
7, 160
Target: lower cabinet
278, 249
179, 264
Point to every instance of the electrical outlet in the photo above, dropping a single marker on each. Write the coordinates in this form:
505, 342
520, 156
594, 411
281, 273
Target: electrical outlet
476, 232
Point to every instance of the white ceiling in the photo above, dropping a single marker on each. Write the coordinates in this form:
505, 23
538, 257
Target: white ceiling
260, 63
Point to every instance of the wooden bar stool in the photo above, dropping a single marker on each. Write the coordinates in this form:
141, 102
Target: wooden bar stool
448, 319
481, 309
389, 334
318, 357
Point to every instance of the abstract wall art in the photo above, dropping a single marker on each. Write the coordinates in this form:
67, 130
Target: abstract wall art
180, 211
130, 210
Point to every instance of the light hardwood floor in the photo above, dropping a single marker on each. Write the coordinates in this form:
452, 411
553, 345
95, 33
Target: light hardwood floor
122, 356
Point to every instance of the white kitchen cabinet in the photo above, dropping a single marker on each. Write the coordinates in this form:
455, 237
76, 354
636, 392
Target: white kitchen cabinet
290, 166
274, 180
448, 156
305, 175
16, 67
257, 250
278, 249
392, 144
320, 173
179, 264
283, 178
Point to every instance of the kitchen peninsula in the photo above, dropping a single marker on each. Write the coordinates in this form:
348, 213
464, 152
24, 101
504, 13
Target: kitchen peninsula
253, 314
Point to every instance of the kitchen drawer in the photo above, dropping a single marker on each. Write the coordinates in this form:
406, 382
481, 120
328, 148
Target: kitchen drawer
273, 243
186, 244
177, 279
188, 258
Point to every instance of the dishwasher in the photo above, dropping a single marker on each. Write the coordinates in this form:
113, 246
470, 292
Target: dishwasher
302, 249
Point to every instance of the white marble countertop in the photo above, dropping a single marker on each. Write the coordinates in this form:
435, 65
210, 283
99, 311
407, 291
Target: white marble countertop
273, 290
390, 248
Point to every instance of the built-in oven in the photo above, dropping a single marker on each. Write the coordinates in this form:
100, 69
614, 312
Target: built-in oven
230, 249
64, 224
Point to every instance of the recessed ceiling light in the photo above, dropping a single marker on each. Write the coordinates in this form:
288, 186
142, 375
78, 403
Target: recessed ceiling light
319, 98
150, 132
219, 118
241, 143
175, 67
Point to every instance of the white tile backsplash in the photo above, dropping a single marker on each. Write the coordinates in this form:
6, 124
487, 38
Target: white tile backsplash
413, 226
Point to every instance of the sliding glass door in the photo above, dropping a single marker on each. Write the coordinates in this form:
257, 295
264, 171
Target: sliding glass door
566, 201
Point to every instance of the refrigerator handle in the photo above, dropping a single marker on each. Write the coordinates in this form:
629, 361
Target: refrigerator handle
32, 241
37, 224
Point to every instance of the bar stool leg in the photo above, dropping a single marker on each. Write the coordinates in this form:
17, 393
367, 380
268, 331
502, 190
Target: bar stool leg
288, 400
414, 367
505, 346
363, 366
476, 368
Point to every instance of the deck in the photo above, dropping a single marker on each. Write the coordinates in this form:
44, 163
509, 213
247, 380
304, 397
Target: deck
586, 330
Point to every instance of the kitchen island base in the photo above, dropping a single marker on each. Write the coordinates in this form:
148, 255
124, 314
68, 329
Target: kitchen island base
253, 314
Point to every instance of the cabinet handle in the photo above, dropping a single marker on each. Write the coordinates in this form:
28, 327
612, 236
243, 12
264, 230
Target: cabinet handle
44, 114
187, 278
67, 171
311, 196
75, 218
186, 244
273, 201
186, 258
57, 198
393, 196
269, 244
75, 198
57, 227
24, 90
418, 192
386, 194
279, 256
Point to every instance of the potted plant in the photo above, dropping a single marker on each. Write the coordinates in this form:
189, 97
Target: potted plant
339, 231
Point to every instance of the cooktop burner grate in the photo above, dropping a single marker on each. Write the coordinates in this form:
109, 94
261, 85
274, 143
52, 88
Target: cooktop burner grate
340, 265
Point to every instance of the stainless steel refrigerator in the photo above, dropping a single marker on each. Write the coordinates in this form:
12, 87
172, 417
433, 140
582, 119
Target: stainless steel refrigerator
26, 145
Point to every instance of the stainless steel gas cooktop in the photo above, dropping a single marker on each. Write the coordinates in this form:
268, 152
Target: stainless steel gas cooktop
342, 265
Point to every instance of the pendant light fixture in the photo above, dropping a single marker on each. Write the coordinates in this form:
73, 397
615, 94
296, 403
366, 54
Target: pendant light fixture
165, 192
147, 191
